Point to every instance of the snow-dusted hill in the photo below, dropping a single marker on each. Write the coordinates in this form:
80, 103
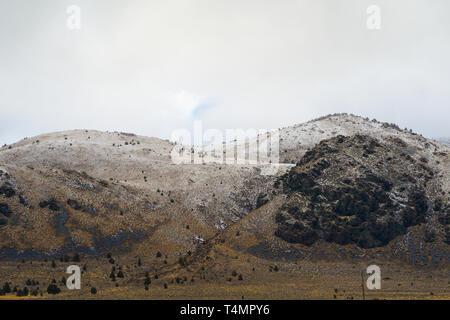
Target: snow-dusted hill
93, 191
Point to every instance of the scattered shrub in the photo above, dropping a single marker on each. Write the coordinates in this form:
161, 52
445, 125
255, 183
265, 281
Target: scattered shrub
53, 289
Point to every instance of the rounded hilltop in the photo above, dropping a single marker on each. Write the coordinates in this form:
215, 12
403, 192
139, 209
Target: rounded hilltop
79, 190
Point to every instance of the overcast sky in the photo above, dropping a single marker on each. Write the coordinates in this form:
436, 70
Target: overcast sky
151, 67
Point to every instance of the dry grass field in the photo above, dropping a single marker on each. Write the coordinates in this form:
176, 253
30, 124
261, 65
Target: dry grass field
224, 276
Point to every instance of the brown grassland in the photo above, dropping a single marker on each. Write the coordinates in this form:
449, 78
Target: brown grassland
211, 278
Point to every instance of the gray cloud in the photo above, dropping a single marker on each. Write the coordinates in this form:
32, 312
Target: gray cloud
153, 67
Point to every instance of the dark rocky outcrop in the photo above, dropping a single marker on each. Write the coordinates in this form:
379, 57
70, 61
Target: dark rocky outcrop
74, 204
261, 200
52, 204
4, 210
7, 191
22, 200
353, 190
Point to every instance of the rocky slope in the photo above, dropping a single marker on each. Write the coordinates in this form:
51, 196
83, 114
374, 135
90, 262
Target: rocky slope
345, 182
359, 190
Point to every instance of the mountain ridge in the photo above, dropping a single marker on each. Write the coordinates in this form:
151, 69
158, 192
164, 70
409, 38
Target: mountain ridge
99, 191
